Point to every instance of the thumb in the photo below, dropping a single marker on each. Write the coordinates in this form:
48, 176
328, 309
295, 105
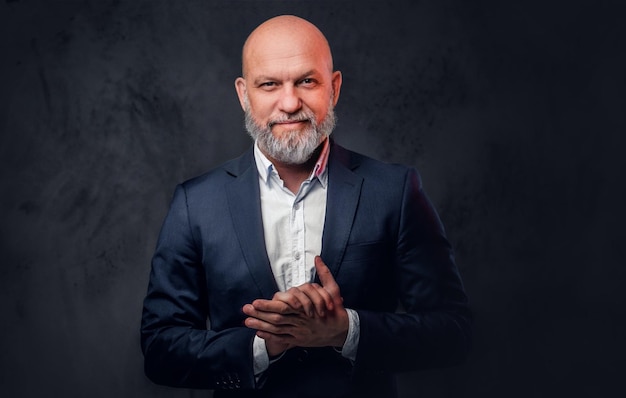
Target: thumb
326, 278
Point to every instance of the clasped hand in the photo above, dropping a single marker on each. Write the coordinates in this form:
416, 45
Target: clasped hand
310, 315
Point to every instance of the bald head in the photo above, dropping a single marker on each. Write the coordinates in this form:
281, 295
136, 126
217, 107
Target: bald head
288, 90
283, 37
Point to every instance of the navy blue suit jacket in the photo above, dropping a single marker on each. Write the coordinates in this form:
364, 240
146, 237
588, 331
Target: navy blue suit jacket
382, 241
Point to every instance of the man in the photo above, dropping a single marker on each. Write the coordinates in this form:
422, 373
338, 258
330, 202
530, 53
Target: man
299, 252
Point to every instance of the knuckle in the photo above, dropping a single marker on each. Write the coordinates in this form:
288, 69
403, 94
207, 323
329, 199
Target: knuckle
275, 318
305, 287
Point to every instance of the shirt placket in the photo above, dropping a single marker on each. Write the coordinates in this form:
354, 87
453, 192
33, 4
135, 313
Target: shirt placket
298, 271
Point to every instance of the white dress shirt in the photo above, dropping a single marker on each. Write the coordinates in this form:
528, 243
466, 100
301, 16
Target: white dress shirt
293, 227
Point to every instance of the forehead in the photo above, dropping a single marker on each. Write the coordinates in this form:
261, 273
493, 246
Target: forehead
280, 51
286, 64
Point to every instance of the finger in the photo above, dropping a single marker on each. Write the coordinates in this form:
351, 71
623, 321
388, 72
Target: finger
297, 300
275, 306
249, 310
268, 325
326, 278
328, 299
321, 299
273, 318
260, 325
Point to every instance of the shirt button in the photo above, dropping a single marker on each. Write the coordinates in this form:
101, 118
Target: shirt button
296, 206
297, 255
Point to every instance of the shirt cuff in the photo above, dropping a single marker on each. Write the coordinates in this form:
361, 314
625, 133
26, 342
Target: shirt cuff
351, 345
260, 359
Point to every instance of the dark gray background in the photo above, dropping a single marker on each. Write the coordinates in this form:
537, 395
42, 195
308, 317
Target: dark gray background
513, 111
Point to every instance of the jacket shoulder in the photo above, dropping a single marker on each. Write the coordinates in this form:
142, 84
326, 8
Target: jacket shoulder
370, 168
221, 174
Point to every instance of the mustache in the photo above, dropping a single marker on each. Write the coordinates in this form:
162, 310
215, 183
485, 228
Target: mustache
302, 117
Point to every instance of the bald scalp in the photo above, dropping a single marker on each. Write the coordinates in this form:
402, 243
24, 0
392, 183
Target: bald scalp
284, 31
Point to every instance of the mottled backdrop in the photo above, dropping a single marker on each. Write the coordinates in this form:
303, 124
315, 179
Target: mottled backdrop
514, 112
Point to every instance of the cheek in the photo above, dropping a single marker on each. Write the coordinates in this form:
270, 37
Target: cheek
319, 104
261, 110
320, 111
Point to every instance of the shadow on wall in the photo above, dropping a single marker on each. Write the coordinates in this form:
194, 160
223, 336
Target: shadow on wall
512, 112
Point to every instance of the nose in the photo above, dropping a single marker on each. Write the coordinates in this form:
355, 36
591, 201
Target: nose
290, 101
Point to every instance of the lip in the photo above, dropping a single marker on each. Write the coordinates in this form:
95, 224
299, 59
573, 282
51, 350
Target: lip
290, 122
290, 125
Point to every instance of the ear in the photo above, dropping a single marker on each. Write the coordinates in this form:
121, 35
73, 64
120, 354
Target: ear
336, 82
240, 86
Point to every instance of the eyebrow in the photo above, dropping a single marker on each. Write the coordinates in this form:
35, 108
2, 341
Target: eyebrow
264, 78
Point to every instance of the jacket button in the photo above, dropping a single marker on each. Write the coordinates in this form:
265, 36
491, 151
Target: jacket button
303, 355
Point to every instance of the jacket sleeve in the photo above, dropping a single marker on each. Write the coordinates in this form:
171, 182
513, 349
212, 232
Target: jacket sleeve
178, 349
433, 329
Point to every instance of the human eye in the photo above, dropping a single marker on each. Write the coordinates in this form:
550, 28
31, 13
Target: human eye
308, 82
267, 85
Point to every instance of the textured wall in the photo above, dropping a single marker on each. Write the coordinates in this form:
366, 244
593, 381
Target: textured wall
514, 113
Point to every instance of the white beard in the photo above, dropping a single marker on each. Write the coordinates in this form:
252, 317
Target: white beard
293, 147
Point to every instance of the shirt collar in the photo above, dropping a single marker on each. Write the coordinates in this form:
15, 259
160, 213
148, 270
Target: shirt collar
320, 171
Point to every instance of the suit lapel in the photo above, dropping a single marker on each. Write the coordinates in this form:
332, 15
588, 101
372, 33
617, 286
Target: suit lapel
245, 208
344, 190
